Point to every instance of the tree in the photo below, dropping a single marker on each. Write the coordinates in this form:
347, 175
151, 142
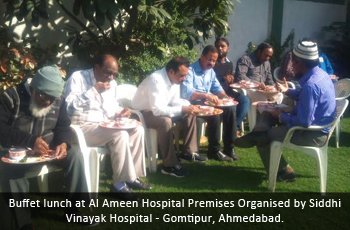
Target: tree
132, 27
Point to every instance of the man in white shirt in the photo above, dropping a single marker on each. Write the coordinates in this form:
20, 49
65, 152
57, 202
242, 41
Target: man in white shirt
91, 97
158, 99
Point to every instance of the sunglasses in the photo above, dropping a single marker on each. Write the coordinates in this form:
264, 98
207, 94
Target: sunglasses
108, 73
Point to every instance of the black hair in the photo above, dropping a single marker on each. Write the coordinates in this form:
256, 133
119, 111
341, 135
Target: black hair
222, 39
209, 49
176, 62
263, 46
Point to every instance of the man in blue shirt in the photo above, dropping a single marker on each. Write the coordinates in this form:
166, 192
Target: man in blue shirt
201, 84
316, 105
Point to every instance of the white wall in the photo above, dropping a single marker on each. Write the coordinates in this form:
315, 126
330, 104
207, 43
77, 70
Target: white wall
307, 18
250, 22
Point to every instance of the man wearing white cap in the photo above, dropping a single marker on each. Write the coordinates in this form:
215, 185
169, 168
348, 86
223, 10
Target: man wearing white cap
315, 105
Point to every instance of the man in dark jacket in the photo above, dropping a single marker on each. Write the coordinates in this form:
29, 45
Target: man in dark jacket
33, 115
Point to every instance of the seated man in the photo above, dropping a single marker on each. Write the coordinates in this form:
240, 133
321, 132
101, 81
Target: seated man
33, 115
224, 73
201, 84
158, 99
315, 106
91, 97
256, 66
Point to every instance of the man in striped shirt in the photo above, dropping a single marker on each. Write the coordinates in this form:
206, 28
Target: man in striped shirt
91, 97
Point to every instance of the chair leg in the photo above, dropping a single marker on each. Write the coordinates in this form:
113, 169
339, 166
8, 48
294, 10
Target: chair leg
177, 138
95, 171
322, 164
152, 150
275, 157
251, 117
221, 130
43, 183
337, 134
242, 127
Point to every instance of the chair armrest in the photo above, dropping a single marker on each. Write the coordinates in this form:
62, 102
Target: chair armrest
139, 115
310, 128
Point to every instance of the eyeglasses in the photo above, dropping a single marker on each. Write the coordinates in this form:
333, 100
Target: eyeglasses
108, 73
210, 60
45, 97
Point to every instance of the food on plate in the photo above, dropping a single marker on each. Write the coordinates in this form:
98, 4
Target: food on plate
222, 102
206, 110
267, 88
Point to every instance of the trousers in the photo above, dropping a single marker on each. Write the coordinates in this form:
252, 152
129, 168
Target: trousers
126, 148
278, 133
16, 186
163, 125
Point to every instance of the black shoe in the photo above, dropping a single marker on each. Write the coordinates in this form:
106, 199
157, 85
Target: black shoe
195, 157
232, 154
83, 216
251, 139
124, 194
138, 185
176, 171
219, 156
286, 177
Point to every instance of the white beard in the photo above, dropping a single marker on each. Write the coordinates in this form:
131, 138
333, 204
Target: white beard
38, 111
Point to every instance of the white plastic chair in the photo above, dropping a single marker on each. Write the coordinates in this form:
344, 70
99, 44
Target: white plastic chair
92, 158
127, 93
342, 91
276, 76
41, 172
320, 153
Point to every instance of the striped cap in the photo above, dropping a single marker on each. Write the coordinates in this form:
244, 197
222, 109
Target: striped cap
306, 50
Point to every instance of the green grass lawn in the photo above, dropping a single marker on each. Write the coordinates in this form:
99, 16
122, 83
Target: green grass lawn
248, 174
245, 178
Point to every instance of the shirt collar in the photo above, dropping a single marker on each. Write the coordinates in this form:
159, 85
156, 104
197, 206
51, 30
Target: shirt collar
92, 76
226, 60
253, 57
166, 78
198, 69
307, 76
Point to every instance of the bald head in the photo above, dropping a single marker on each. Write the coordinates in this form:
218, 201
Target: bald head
105, 68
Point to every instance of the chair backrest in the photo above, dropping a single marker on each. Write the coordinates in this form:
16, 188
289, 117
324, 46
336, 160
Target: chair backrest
126, 93
341, 107
342, 89
276, 75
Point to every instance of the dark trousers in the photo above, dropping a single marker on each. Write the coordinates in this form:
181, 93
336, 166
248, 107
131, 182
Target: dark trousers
229, 130
242, 107
300, 137
75, 183
163, 125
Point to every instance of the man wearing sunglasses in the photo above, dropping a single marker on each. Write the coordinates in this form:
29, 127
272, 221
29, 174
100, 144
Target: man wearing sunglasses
33, 115
91, 97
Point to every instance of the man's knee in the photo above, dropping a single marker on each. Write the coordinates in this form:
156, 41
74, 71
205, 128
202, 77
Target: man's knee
75, 155
140, 130
166, 122
243, 100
